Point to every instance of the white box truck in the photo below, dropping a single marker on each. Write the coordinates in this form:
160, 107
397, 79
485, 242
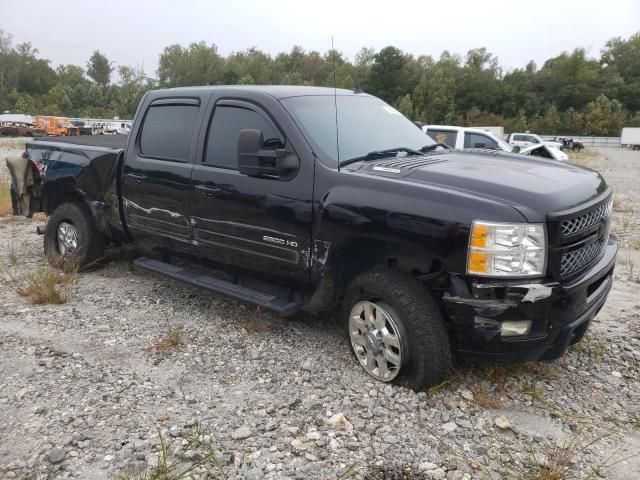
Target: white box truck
630, 138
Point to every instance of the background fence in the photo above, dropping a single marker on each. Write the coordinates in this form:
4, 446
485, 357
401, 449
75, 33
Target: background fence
592, 141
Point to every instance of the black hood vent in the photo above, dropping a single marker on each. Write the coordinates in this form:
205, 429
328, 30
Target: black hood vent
400, 167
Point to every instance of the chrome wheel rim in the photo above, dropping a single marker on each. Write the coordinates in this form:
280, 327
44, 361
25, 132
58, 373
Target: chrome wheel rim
67, 238
376, 340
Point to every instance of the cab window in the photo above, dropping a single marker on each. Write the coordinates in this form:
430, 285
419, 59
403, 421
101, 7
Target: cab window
448, 137
224, 130
167, 131
477, 140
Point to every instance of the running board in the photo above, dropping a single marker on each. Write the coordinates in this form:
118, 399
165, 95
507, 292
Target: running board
279, 305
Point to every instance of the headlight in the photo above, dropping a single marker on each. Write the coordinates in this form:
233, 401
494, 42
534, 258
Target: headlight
507, 249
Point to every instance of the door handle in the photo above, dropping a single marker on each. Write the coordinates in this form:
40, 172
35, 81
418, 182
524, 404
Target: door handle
208, 190
137, 177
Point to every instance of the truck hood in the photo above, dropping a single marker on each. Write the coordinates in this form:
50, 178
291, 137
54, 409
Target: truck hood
532, 185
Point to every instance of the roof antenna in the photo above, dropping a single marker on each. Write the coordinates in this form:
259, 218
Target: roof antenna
357, 88
335, 100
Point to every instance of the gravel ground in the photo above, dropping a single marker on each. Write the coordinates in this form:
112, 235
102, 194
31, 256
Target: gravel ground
134, 370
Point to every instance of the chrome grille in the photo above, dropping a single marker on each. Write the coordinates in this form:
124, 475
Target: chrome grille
576, 225
575, 260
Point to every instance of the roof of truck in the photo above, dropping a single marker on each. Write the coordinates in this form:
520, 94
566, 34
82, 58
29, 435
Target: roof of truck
277, 91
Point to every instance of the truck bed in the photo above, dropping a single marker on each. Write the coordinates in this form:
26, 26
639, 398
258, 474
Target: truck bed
109, 141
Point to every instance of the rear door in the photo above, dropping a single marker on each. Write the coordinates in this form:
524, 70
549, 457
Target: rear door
257, 224
157, 173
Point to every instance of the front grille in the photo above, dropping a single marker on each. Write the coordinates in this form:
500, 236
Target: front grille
575, 260
573, 226
578, 241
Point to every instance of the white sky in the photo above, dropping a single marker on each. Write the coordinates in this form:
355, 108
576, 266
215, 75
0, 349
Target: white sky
134, 32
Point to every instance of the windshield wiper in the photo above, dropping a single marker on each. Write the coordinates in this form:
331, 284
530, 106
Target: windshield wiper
430, 148
388, 152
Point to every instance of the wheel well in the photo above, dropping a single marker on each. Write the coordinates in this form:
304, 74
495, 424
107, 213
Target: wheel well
364, 254
59, 194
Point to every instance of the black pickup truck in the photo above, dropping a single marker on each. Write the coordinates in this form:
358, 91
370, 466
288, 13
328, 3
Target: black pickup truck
308, 199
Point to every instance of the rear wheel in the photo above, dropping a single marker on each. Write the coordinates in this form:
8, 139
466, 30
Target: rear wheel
71, 240
396, 329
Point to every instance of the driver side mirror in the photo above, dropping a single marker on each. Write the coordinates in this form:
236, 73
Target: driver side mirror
257, 158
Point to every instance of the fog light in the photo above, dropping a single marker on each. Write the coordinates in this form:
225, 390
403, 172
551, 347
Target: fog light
514, 328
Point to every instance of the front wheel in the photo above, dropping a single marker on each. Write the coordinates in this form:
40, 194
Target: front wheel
396, 329
71, 240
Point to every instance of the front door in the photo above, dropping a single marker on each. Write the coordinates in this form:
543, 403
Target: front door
259, 224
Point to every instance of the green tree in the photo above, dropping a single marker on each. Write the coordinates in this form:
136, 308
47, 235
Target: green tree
99, 69
405, 106
621, 63
387, 74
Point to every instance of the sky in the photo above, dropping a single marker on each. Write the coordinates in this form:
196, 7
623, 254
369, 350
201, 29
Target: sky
134, 32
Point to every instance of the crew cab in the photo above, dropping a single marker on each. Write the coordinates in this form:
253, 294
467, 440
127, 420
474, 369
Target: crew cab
308, 198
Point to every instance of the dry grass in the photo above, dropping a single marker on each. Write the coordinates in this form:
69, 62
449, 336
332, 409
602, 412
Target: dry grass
44, 285
12, 250
172, 341
5, 199
585, 158
560, 459
255, 323
174, 465
484, 397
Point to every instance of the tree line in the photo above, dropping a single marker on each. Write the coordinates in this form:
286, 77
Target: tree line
569, 94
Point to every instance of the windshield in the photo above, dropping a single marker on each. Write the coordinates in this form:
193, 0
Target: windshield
365, 124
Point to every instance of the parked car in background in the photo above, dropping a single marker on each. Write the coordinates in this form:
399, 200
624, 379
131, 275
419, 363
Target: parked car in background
569, 143
56, 126
20, 130
465, 138
84, 127
630, 138
527, 139
117, 128
18, 125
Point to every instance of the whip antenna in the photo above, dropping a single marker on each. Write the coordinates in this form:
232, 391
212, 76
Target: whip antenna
335, 100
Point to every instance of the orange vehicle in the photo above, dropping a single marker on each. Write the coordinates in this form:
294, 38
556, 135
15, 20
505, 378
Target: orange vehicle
56, 126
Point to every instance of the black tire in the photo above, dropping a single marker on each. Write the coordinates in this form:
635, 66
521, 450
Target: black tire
428, 360
91, 243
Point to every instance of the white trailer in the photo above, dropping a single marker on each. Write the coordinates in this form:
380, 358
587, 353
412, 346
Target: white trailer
630, 138
497, 131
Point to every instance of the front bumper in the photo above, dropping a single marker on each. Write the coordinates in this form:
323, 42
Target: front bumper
560, 312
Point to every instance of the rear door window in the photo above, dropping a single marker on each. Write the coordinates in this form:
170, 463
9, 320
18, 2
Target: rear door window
167, 131
448, 137
224, 130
